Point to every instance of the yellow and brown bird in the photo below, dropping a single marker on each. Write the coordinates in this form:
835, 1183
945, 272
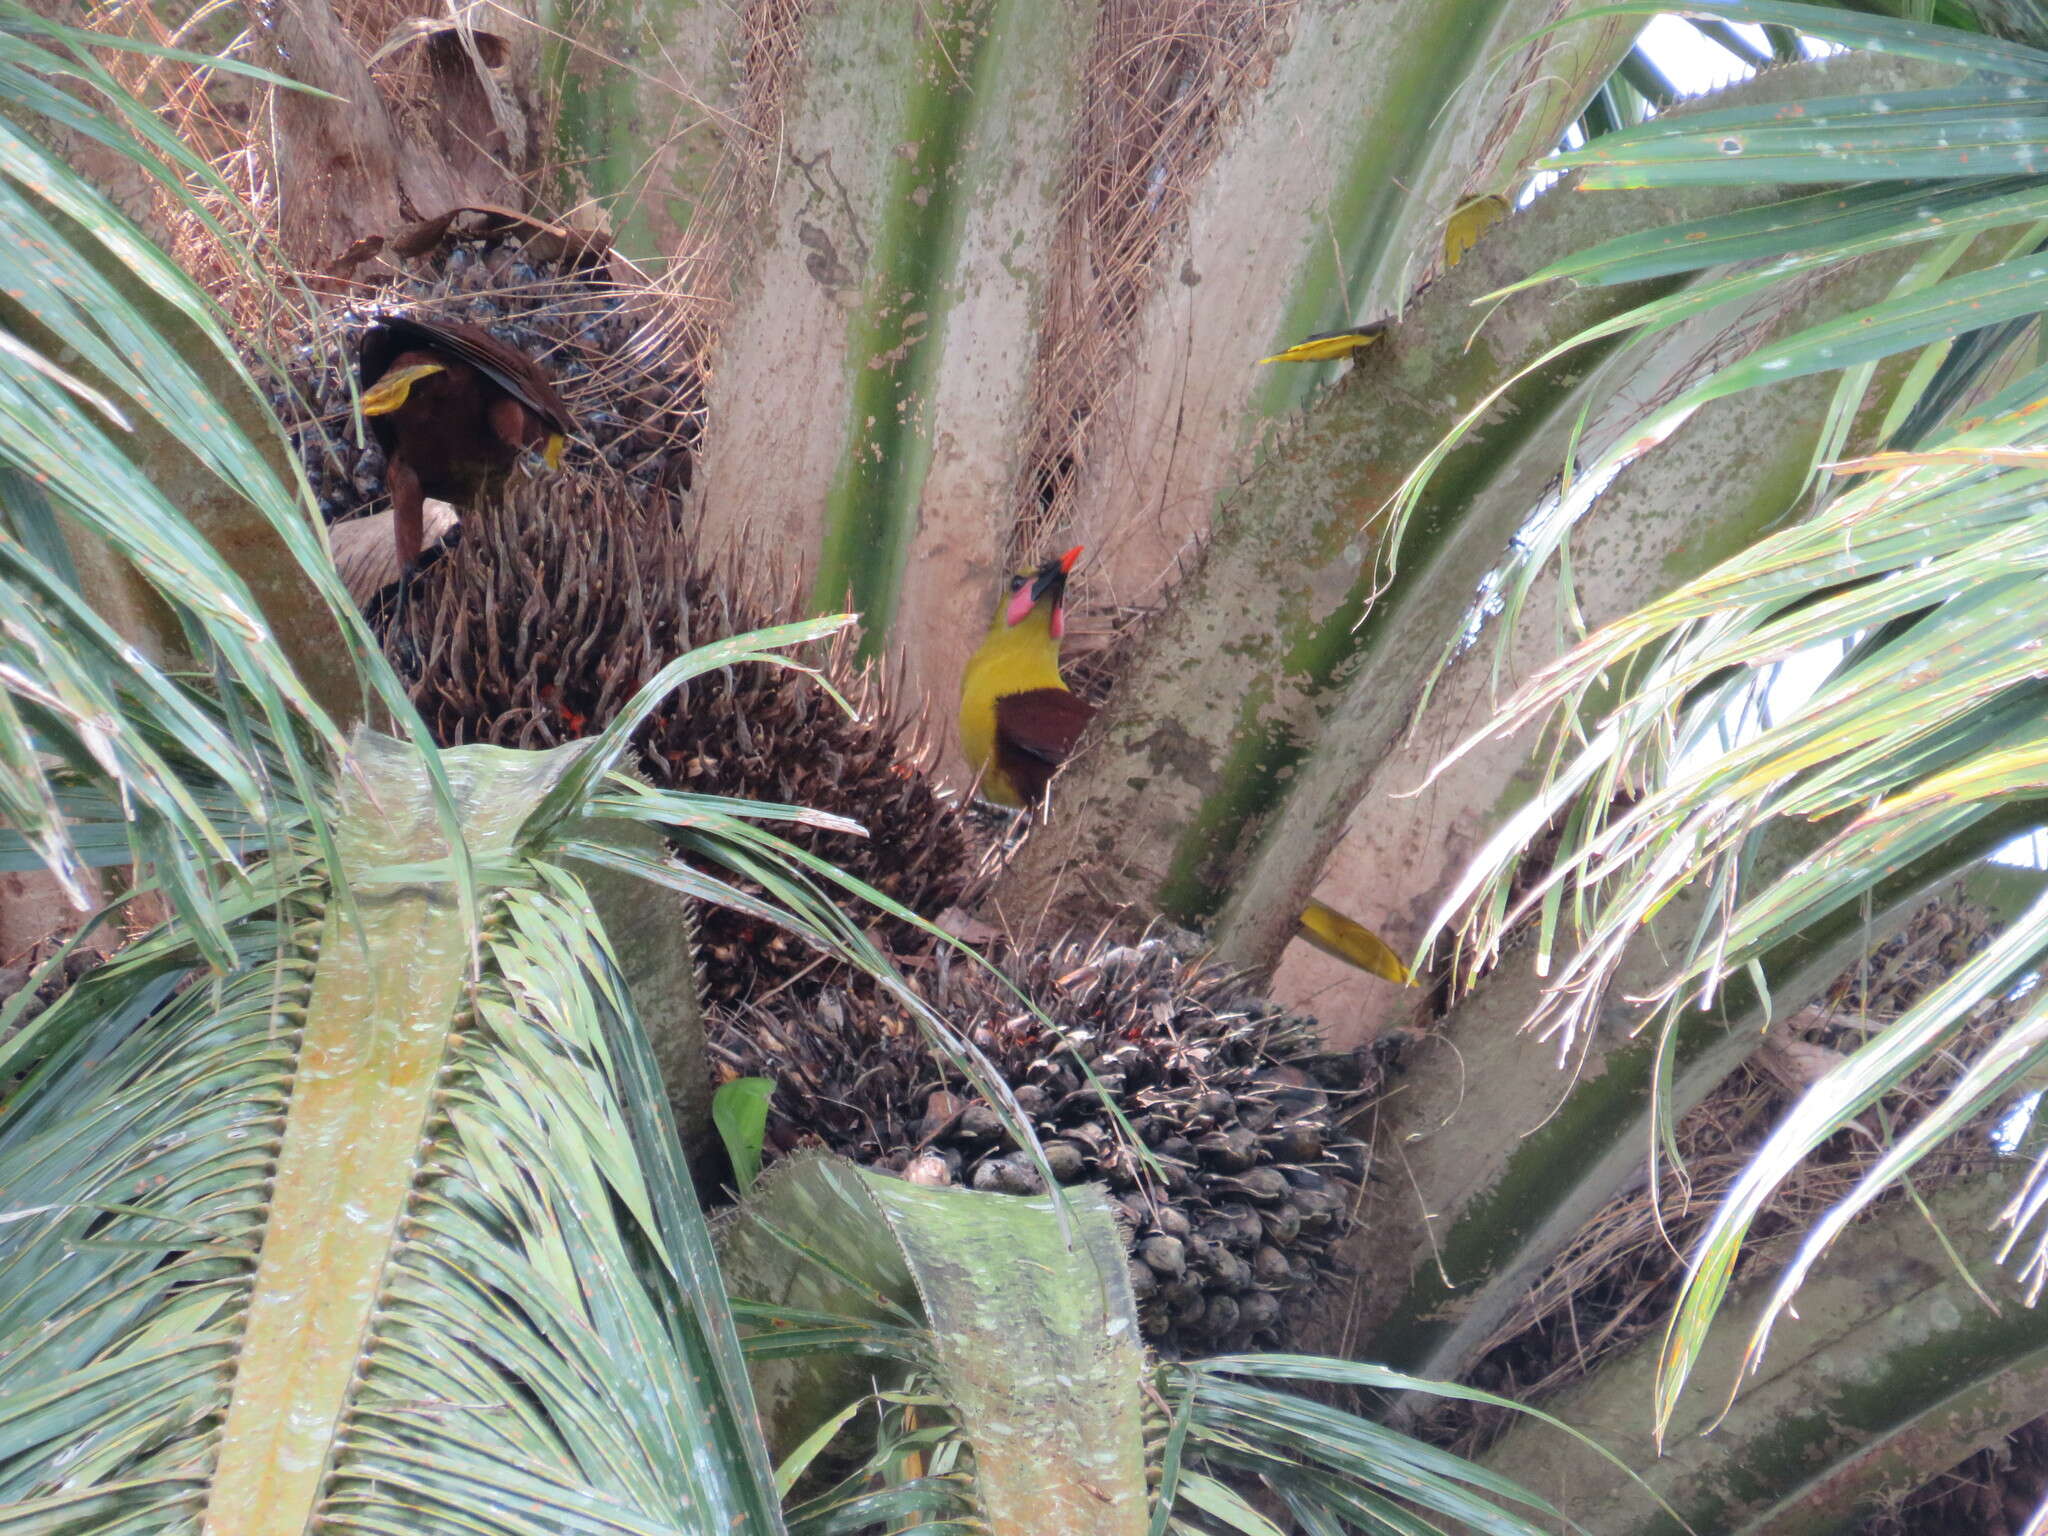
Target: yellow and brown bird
453, 408
1019, 721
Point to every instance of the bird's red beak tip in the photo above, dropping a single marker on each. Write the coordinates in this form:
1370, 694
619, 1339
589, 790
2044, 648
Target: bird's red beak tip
1067, 560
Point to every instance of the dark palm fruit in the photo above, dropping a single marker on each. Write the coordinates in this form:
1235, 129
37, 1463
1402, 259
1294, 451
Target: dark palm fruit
1257, 1118
980, 1123
1184, 1049
1244, 1227
1257, 1311
1230, 1273
1282, 1223
1221, 1317
1230, 1151
1296, 1142
1164, 1255
1319, 1208
544, 622
1262, 1184
1013, 1175
1067, 1161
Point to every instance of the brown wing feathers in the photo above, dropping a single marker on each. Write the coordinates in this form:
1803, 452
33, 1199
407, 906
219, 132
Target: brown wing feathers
1035, 732
507, 367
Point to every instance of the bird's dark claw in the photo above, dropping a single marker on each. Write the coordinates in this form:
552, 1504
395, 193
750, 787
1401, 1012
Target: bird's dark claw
405, 652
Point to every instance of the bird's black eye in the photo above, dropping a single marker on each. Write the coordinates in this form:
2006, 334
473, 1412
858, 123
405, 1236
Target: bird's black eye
1017, 583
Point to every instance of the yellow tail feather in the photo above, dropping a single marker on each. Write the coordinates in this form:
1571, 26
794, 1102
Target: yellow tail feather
389, 392
1335, 934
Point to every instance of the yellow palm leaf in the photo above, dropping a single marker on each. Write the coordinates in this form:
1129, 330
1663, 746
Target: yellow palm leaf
1474, 218
1324, 345
1335, 934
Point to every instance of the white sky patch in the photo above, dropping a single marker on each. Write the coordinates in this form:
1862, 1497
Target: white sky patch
1776, 690
1692, 62
1695, 65
2027, 851
2013, 1125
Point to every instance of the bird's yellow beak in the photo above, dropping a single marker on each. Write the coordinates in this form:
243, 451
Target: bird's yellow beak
389, 392
552, 454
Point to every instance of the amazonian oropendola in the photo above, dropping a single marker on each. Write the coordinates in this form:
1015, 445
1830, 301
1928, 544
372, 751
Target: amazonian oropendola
453, 408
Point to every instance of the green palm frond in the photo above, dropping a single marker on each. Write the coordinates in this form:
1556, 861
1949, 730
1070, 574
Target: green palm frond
1336, 1470
451, 1261
101, 336
1924, 580
1908, 603
352, 1190
1939, 164
366, 1224
976, 1311
962, 1306
135, 1165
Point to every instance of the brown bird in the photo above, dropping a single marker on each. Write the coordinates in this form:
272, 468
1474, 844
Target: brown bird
1019, 722
453, 408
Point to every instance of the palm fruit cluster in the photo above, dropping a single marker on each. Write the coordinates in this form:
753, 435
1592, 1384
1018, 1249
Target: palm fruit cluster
601, 342
549, 612
555, 608
1245, 1177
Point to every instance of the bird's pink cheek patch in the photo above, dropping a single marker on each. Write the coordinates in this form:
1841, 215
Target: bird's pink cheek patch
1059, 620
1020, 604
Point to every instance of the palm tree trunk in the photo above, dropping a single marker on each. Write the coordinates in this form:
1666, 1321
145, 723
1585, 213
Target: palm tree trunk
1892, 1368
1205, 744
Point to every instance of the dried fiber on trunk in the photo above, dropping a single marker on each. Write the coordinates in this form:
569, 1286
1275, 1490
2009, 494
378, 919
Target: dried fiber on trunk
1615, 1281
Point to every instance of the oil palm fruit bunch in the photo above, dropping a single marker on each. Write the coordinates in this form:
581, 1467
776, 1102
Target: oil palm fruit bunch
1213, 1116
544, 621
604, 346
